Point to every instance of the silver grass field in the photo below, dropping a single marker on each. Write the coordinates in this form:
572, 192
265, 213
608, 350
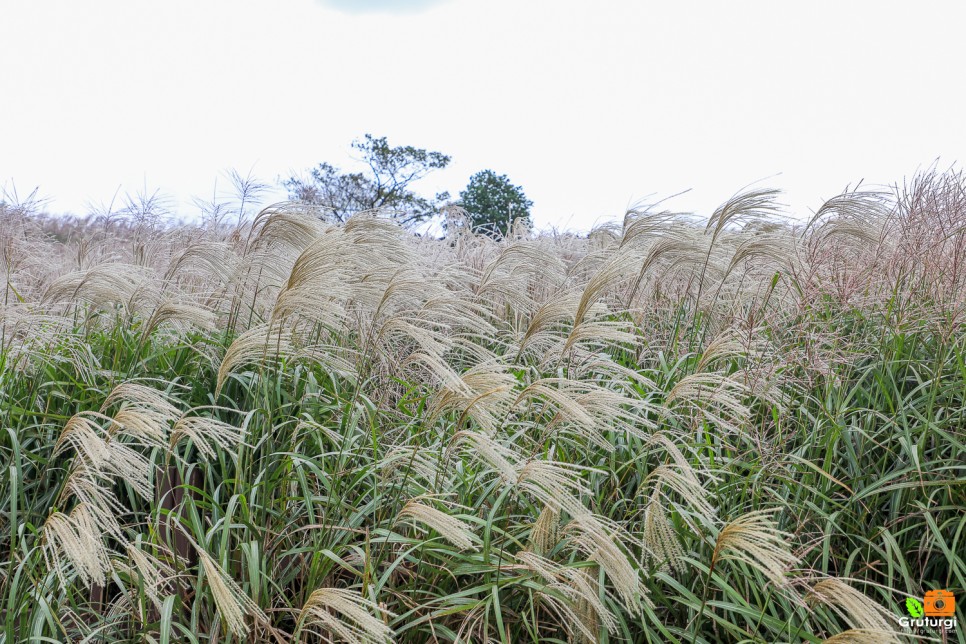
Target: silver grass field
677, 429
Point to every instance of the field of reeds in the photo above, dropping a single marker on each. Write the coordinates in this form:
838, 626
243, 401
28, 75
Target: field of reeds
677, 429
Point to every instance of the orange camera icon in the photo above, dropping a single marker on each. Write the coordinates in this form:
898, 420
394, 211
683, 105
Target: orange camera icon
939, 603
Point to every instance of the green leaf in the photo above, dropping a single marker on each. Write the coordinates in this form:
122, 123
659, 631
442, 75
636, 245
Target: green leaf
914, 607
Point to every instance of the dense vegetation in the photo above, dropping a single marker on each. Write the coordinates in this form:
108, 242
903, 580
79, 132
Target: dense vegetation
386, 183
491, 203
671, 430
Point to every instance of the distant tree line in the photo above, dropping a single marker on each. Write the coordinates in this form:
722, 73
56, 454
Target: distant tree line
490, 201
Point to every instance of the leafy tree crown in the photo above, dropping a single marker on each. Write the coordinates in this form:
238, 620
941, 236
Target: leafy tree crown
384, 184
493, 202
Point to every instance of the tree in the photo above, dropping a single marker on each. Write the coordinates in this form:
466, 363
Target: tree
493, 202
385, 184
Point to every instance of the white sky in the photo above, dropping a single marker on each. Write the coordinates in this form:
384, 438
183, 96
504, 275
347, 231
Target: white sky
589, 106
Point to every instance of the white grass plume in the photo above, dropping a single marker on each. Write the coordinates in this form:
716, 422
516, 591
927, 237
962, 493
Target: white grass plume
545, 531
103, 285
714, 396
77, 538
661, 541
232, 602
261, 344
554, 483
499, 458
181, 315
584, 409
100, 507
605, 542
573, 595
484, 393
744, 207
547, 324
345, 614
207, 434
102, 456
155, 575
755, 540
145, 413
449, 527
86, 437
419, 466
864, 636
204, 259
662, 544
683, 481
854, 607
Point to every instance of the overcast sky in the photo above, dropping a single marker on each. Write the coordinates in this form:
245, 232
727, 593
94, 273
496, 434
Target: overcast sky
589, 106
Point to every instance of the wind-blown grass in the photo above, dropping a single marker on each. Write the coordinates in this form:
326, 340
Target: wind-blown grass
672, 430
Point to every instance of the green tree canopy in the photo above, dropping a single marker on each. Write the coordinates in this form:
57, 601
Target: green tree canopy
384, 184
493, 202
